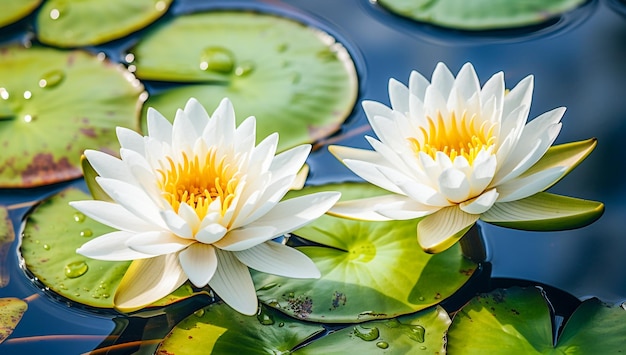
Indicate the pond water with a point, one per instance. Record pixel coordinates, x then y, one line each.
578 62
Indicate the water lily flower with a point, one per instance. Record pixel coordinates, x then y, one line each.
198 200
453 152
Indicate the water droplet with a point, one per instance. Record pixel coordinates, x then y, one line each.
273 303
87 233
218 59
422 347
416 332
160 5
265 318
393 323
382 344
28 118
291 295
4 94
62 287
101 56
421 298
199 313
281 324
282 47
46 247
129 58
268 286
76 269
51 79
105 295
28 95
367 334
244 69
54 14
95 296
79 217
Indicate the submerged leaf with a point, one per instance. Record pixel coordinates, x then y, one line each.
7 236
11 312
44 90
302 86
72 23
218 329
481 14
370 270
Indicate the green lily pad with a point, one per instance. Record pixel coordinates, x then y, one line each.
518 321
15 10
11 312
218 329
302 85
65 23
370 270
480 14
44 90
418 333
7 236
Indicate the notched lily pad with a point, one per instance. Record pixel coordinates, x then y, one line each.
370 270
11 312
218 329
418 333
302 85
7 236
65 23
479 15
73 94
15 10
518 320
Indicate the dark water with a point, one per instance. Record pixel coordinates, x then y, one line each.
578 62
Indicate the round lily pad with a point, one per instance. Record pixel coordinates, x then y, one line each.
370 270
15 10
11 312
419 333
481 14
53 232
295 79
7 236
218 329
65 23
53 105
519 321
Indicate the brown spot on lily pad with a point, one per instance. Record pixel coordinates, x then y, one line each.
43 169
11 312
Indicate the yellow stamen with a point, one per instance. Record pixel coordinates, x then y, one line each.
455 137
198 182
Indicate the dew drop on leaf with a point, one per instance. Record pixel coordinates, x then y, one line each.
367 334
217 59
76 269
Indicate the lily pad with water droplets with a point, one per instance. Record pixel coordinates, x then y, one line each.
519 321
218 329
370 270
481 14
55 104
303 84
15 10
7 236
419 333
65 23
11 312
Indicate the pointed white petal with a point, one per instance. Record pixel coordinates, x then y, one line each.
265 203
245 135
289 162
177 224
184 133
263 154
481 203
366 209
190 216
130 139
494 89
440 230
147 281
199 263
403 210
453 185
246 237
275 258
196 114
399 96
418 85
157 243
466 82
485 166
158 126
211 233
233 283
520 95
108 166
442 80
371 173
111 247
113 215
225 124
525 186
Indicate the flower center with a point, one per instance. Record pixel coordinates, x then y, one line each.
457 137
198 182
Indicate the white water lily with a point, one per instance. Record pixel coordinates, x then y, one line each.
198 200
452 152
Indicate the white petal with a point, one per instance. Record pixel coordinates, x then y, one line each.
289 162
190 216
378 208
454 185
481 203
158 126
224 115
211 233
130 139
199 263
525 186
111 247
399 96
147 281
263 204
108 166
418 85
440 230
157 243
184 133
177 224
275 258
373 109
113 215
403 210
233 283
485 166
520 95
371 173
494 90
467 82
263 154
196 114
442 80
245 135
246 237
294 213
